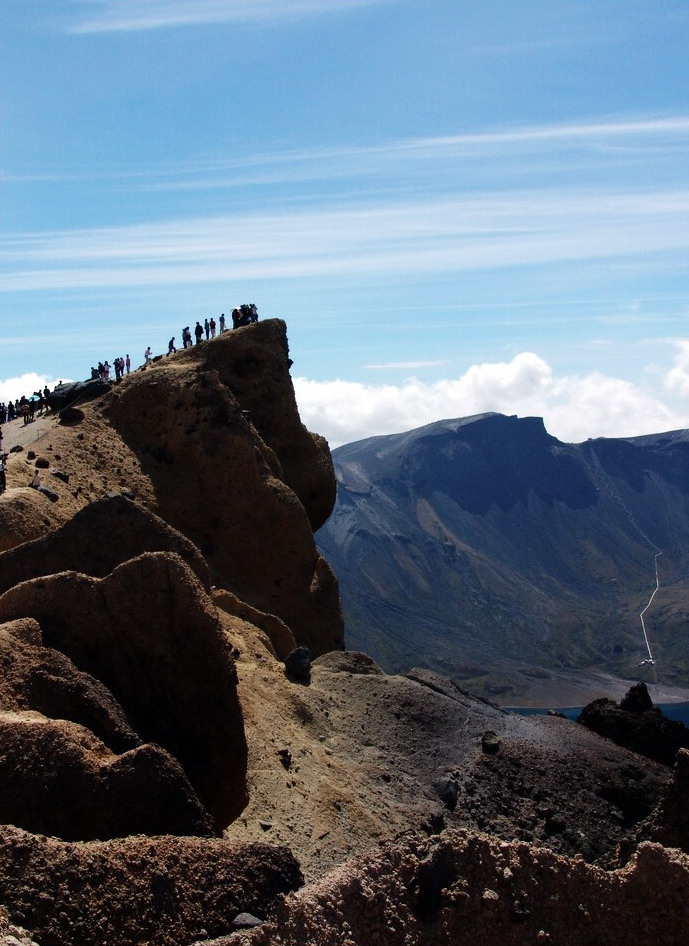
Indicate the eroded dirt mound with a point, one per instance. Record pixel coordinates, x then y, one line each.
464 888
161 891
151 635
99 537
25 514
58 779
34 677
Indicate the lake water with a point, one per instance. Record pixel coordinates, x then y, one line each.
678 711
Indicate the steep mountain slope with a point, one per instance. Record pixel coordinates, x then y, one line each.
486 549
150 597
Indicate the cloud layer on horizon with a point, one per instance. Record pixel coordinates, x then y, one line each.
574 407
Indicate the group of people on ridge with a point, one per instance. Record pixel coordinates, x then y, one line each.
242 315
104 368
25 407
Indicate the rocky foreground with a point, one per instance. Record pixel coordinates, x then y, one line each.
170 775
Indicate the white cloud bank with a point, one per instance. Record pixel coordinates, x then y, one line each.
13 388
677 379
574 407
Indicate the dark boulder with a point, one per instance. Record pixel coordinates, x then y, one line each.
76 392
298 664
642 730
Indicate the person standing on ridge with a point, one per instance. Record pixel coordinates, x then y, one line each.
198 332
221 320
171 346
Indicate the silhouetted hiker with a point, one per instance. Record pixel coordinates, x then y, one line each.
128 363
147 355
186 337
198 332
221 320
212 327
3 475
207 329
171 346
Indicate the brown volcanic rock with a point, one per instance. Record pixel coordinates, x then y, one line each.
280 639
215 480
465 888
11 934
156 891
669 823
254 363
25 514
149 632
99 537
58 779
33 677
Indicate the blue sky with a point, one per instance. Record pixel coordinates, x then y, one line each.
456 205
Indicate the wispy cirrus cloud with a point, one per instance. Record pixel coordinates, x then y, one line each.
405 365
108 16
469 232
391 159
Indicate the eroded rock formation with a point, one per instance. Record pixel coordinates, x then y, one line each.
99 537
160 891
150 633
637 725
463 888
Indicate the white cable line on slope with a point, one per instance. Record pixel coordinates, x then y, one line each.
615 495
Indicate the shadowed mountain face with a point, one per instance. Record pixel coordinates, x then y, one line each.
486 549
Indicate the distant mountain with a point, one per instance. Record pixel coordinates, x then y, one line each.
486 549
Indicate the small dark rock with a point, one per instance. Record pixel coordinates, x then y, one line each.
71 416
60 475
285 757
298 664
555 823
17 448
53 497
490 742
447 791
435 824
246 921
30 455
41 463
265 825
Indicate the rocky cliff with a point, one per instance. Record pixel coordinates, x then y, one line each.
150 595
